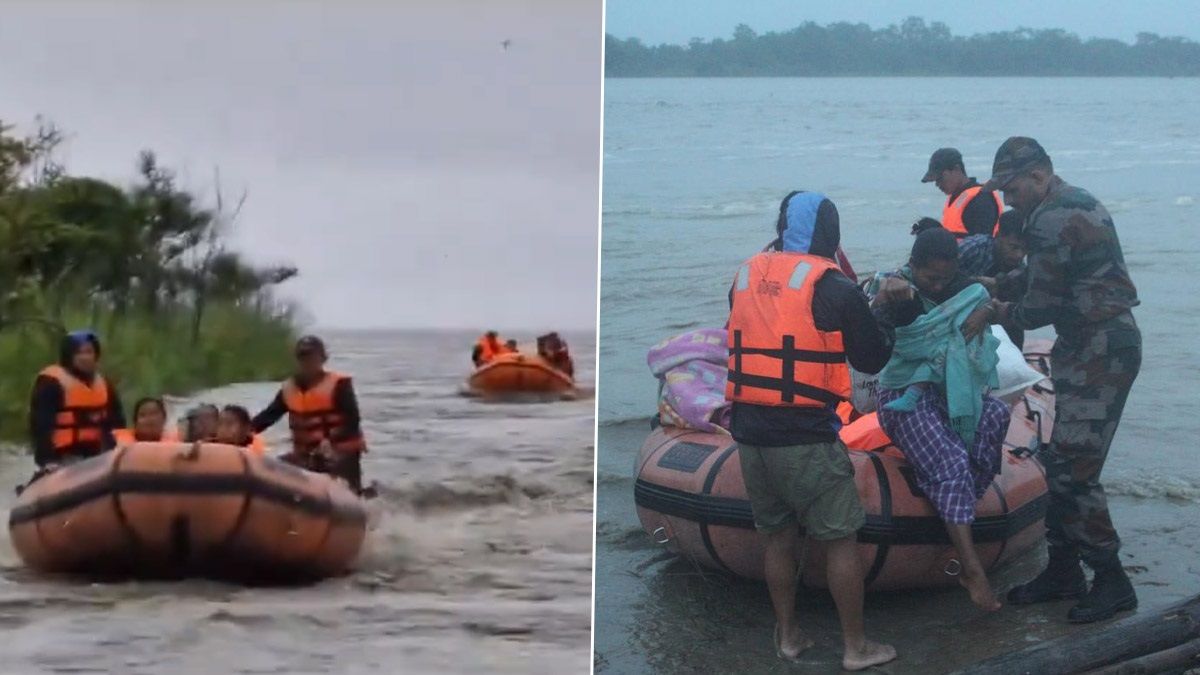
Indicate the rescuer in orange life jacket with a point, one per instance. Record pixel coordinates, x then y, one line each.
969 209
73 409
323 415
793 312
487 348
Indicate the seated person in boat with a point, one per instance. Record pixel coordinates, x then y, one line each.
487 348
234 428
554 349
794 304
200 424
510 347
323 415
149 424
931 396
73 409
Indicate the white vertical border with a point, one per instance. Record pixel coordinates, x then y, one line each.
596 385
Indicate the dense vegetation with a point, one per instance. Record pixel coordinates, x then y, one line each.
912 48
146 266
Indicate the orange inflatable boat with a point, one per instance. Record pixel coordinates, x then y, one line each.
162 510
690 497
519 374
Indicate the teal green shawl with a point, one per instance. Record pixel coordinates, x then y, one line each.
932 349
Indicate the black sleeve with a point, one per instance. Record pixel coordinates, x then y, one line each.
347 405
476 353
270 415
116 418
45 401
981 214
838 304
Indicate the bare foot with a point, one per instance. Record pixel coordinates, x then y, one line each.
871 654
795 644
981 591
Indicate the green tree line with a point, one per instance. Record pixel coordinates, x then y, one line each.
146 265
912 48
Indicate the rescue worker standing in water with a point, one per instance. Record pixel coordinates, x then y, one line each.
792 311
969 209
322 412
73 409
1077 281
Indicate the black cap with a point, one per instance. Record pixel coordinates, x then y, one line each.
310 344
942 159
1016 155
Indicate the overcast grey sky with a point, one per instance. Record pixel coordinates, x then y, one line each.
418 174
677 21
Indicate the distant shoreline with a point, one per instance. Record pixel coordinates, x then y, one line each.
913 48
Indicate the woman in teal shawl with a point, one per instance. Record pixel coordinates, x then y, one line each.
952 433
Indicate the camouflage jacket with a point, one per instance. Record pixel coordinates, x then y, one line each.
1076 275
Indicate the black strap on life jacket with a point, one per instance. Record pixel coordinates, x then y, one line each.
788 388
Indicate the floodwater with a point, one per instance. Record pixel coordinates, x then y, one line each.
693 175
480 559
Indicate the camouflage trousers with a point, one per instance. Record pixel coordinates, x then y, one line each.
1092 375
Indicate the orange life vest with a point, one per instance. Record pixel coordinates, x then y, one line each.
952 213
489 349
777 356
865 434
127 436
79 424
313 416
257 445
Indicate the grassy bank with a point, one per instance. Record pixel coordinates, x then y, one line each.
151 355
146 265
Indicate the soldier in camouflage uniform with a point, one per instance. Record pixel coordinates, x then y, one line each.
1078 281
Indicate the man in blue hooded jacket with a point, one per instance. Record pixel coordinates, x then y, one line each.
787 374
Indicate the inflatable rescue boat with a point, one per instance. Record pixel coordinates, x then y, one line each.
509 374
690 498
168 510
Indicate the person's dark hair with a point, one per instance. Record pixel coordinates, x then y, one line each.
242 415
311 343
925 224
931 245
1011 223
203 408
148 400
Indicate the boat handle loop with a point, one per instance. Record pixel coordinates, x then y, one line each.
660 536
953 567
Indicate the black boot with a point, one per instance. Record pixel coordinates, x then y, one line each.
1111 592
1062 579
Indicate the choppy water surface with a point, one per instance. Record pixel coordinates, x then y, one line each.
694 171
481 559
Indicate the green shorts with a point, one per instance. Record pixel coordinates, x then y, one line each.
808 484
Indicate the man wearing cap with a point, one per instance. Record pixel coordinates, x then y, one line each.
322 412
970 208
1077 280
